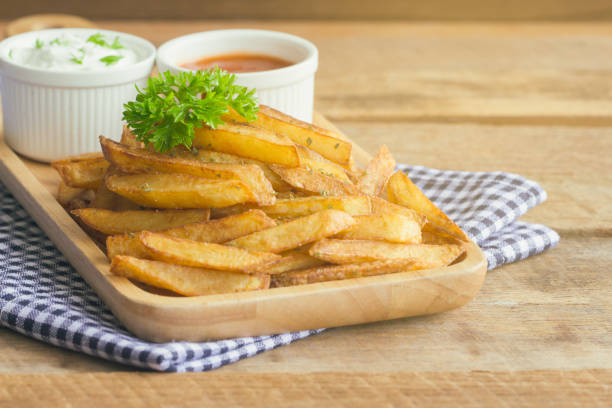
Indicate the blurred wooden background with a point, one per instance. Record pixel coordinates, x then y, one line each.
451 10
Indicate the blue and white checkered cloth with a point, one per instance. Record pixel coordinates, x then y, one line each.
43 297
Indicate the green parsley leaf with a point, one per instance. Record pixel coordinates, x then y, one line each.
111 59
39 43
57 41
116 45
98 39
168 110
10 54
77 60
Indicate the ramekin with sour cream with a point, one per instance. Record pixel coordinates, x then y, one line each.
62 88
289 89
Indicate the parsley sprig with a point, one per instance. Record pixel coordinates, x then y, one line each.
168 110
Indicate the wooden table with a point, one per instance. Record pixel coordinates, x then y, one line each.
534 99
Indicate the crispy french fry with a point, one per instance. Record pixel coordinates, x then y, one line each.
322 141
314 182
377 173
292 260
123 222
186 280
339 272
107 200
178 190
295 233
384 227
134 160
83 171
438 237
129 139
380 206
401 190
311 160
216 231
65 193
301 206
248 141
210 156
353 251
203 254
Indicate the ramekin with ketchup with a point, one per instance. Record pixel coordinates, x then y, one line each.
280 66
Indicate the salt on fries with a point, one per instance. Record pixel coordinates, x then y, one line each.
288 207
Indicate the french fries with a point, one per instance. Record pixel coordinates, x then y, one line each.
296 233
314 182
134 160
289 208
302 206
377 173
293 260
178 190
384 227
380 206
401 190
123 222
83 171
322 141
215 231
339 272
248 141
203 254
186 280
356 251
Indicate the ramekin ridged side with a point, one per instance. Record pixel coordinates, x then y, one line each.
47 123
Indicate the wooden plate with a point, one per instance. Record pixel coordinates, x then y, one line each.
160 318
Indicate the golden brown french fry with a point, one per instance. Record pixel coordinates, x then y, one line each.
65 193
248 141
107 200
377 172
178 190
313 161
323 141
134 160
292 260
216 231
129 139
83 171
186 280
401 190
339 272
384 227
295 233
301 206
354 251
210 156
203 254
438 238
314 182
123 222
380 206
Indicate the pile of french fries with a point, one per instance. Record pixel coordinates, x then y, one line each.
276 202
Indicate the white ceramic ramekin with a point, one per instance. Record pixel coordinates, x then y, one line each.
50 114
289 89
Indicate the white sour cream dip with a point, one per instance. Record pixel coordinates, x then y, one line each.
74 52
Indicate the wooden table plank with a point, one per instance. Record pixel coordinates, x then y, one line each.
442 389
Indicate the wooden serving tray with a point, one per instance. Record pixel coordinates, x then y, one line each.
160 318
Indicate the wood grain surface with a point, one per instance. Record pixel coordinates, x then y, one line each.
470 10
533 99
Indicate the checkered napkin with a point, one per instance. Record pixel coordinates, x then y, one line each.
43 297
